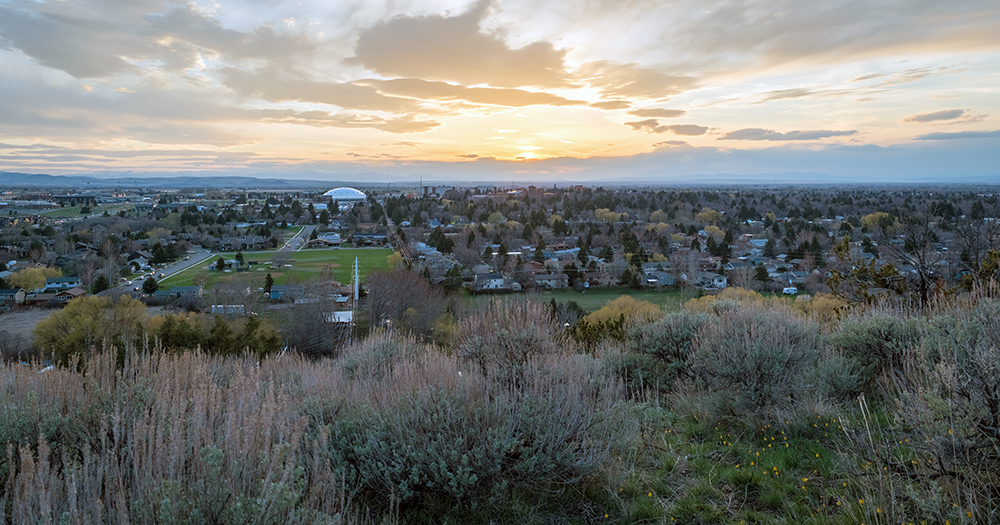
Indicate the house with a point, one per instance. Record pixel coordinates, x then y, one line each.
706 280
66 295
288 292
600 279
67 261
552 280
58 284
327 239
12 295
657 278
494 282
185 291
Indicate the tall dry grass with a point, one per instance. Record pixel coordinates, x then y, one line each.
392 426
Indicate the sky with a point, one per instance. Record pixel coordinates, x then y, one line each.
588 90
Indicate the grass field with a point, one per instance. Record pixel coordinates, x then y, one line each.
595 298
74 211
305 265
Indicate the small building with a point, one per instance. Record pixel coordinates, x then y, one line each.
12 295
552 280
288 292
66 295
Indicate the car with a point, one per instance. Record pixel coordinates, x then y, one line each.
137 288
188 258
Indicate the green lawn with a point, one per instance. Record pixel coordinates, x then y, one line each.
595 298
305 265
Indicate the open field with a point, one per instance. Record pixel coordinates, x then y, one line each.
305 265
595 298
74 211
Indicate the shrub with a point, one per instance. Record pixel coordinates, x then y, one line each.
447 449
505 337
877 343
753 359
658 353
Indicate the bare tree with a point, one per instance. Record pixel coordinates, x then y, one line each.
917 251
87 270
405 299
280 258
744 278
312 330
242 290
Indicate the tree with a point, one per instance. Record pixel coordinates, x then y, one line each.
33 278
630 279
220 264
406 300
242 290
150 286
268 283
100 284
760 274
919 234
87 323
239 257
858 280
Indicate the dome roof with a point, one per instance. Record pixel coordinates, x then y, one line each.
345 194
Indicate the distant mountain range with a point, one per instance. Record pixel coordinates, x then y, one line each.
317 180
130 180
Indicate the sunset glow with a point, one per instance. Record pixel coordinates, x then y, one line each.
475 89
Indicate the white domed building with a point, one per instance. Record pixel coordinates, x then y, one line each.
346 195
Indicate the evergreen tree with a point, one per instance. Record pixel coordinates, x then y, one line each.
150 286
100 284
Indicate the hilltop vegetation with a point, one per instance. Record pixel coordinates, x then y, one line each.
737 408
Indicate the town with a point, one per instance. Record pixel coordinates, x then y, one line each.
238 253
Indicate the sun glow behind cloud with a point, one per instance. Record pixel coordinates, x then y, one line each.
362 85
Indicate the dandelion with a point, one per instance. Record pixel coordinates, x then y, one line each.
651 494
861 501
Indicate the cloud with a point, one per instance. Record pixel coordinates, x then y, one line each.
430 90
770 134
612 104
666 143
653 126
323 119
657 112
961 135
468 156
271 86
454 49
631 80
102 39
947 114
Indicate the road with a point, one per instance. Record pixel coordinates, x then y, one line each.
300 239
200 255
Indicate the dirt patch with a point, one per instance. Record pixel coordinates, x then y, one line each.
22 321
